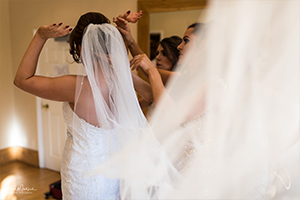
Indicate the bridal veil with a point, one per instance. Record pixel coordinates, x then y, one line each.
244 66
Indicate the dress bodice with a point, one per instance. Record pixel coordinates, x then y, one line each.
86 147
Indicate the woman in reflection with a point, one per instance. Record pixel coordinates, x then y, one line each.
164 63
167 53
166 58
157 75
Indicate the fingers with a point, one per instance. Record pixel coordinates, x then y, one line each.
123 32
134 60
125 14
122 25
128 17
137 61
54 30
134 17
57 30
66 28
133 63
116 19
122 20
140 14
55 25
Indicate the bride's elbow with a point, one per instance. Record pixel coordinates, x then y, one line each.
18 82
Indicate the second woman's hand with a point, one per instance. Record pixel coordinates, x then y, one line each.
142 61
124 29
131 16
53 31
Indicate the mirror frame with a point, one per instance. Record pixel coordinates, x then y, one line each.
154 6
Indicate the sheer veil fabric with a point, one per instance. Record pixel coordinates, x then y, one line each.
105 98
230 116
107 70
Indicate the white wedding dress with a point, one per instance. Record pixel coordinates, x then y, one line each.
86 147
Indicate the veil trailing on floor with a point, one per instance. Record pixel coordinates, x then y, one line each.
229 118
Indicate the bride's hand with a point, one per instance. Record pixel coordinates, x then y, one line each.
124 29
131 16
53 31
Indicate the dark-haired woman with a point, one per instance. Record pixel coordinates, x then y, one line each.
166 58
167 53
158 77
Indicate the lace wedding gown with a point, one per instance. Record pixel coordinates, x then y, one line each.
194 162
85 149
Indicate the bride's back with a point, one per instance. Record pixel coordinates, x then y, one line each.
85 107
105 97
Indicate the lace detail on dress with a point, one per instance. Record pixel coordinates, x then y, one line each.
196 140
86 147
198 144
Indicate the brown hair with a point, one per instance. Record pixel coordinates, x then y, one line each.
170 44
78 31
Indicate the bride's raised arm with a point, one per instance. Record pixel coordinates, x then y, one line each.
60 88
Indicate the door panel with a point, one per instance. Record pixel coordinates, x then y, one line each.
54 61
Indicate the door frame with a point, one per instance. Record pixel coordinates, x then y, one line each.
41 146
40 136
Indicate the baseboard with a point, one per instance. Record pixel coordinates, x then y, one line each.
8 155
11 154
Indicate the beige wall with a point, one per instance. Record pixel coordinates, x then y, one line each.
6 77
18 20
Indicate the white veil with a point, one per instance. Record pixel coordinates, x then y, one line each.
107 74
243 69
252 118
105 58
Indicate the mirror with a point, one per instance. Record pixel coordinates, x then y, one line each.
167 24
159 6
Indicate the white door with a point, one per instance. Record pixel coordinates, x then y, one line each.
55 60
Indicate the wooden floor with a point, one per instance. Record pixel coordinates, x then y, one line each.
24 182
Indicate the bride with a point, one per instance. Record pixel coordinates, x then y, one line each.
100 108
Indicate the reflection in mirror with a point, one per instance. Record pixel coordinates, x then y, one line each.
167 24
176 22
158 6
